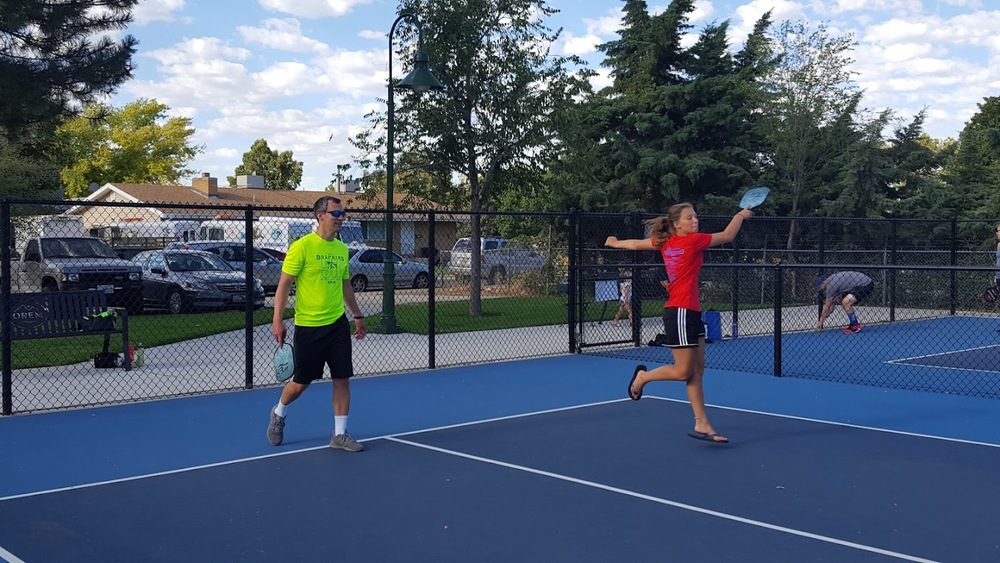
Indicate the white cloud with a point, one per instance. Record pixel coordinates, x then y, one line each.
580 45
373 35
282 35
746 16
312 8
843 6
156 10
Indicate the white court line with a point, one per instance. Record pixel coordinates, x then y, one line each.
908 362
834 423
948 353
667 502
10 557
298 451
475 423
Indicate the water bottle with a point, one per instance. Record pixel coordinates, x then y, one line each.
139 354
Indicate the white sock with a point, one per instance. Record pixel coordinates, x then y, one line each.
339 425
280 409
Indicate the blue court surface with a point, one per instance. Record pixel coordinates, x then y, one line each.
535 460
955 355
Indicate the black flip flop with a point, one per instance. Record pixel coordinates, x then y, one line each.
708 437
635 374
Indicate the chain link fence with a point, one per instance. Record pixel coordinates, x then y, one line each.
927 325
196 282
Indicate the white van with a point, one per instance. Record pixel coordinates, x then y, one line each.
277 233
169 230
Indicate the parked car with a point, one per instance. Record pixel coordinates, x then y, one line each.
500 259
186 280
274 253
265 266
367 262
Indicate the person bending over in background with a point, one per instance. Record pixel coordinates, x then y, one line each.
848 289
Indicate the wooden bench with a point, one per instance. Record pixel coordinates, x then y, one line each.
60 313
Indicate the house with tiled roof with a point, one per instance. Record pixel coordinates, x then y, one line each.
115 204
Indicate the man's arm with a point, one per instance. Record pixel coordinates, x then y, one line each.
280 299
827 305
360 328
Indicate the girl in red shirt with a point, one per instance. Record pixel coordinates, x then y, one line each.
677 239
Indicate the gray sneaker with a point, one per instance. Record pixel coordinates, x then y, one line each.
276 428
345 442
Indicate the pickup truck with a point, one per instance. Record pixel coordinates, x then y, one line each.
499 258
77 263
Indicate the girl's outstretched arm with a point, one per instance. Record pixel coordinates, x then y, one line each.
630 244
732 229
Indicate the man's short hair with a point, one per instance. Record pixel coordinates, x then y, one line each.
320 205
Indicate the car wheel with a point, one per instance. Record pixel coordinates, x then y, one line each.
421 281
175 302
498 275
359 283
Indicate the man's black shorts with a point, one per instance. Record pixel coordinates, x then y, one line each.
316 346
862 291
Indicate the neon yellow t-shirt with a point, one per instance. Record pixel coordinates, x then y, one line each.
320 269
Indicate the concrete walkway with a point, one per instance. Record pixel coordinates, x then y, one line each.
216 363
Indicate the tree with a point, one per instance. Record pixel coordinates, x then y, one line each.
811 119
280 169
677 124
137 143
49 59
24 174
492 125
973 172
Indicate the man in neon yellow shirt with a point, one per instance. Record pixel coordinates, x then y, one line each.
317 264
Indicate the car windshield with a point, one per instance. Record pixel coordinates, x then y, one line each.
462 245
190 262
76 248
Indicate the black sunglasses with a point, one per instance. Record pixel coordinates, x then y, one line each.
336 213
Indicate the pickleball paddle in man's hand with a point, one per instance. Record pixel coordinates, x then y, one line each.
284 362
754 197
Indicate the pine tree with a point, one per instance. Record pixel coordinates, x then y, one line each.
50 61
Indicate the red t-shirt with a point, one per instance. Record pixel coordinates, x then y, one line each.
683 257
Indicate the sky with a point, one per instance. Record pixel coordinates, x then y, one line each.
303 73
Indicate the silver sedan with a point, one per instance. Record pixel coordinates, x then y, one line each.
367 263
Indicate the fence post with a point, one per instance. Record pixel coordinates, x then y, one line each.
779 278
8 239
735 285
571 281
248 297
893 256
638 232
431 289
954 263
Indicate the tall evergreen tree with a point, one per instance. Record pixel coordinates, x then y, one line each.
53 56
681 122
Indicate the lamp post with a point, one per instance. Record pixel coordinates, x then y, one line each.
420 80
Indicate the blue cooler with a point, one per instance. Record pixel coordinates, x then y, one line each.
713 325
